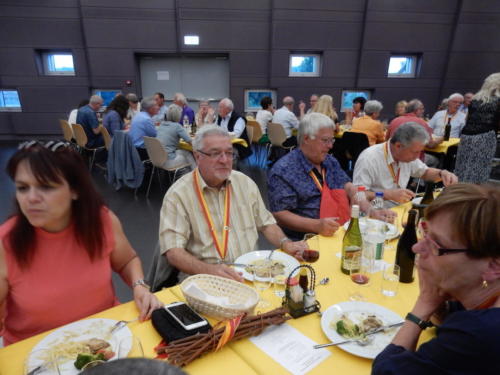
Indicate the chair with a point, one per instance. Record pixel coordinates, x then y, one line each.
348 148
67 130
250 133
158 156
106 137
277 135
257 131
81 141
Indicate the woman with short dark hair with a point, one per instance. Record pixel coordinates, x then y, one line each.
59 248
458 265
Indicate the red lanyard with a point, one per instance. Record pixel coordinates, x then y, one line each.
221 248
315 179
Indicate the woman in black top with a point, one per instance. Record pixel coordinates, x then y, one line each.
478 140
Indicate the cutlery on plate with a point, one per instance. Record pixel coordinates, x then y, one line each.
120 324
270 254
362 342
234 264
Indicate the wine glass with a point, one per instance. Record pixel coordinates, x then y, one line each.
311 254
262 279
130 346
359 273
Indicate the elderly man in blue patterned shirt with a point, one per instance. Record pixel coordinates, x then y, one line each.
294 196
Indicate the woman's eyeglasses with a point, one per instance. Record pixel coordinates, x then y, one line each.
50 145
437 249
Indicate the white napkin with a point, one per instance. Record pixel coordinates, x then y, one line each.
223 301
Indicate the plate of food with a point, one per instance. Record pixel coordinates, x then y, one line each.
281 264
353 320
391 231
78 343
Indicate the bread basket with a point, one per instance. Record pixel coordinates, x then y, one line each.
216 286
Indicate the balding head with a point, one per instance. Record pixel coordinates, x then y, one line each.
288 102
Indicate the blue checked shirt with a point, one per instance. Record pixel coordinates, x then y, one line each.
291 188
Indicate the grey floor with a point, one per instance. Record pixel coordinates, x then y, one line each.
138 215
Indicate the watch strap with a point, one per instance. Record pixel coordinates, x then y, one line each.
283 240
423 324
140 282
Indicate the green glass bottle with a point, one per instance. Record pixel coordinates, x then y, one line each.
352 243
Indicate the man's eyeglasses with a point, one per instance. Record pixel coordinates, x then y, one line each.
437 249
218 154
51 145
327 141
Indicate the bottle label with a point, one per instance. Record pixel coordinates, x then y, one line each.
350 260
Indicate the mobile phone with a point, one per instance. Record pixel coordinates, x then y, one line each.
185 316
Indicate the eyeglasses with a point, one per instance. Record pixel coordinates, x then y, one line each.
327 141
50 145
436 248
217 154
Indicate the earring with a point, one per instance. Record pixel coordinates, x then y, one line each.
484 285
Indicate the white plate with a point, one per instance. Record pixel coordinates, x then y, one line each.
289 261
81 331
357 311
392 233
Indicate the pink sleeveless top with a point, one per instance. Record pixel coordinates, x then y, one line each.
60 286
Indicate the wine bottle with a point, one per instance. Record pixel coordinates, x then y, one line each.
405 257
352 243
447 130
429 193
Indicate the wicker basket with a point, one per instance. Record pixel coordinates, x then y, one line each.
238 293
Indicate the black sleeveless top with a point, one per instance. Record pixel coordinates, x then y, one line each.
482 117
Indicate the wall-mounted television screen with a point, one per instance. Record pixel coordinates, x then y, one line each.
107 95
349 95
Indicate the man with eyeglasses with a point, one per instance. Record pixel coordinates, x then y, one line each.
212 215
301 183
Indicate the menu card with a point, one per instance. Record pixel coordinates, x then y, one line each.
290 348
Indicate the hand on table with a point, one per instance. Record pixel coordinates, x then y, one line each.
328 226
295 249
224 271
384 215
146 302
448 178
399 195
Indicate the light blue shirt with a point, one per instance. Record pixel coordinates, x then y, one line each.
169 134
160 116
142 125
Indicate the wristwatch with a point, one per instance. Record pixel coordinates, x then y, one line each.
423 324
140 282
282 241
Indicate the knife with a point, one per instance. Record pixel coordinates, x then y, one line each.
380 329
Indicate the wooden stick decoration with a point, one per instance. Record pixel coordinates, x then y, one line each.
183 351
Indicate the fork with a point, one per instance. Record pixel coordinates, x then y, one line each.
120 324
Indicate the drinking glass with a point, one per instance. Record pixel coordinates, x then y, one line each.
390 280
130 346
262 279
279 285
360 274
311 255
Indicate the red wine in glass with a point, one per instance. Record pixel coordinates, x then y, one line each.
360 278
310 256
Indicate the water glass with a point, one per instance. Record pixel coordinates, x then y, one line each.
130 346
279 285
390 280
262 279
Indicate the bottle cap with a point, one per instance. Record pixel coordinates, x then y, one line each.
293 281
379 194
361 188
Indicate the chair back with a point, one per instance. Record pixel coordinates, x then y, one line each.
106 137
66 129
80 136
250 133
276 134
157 154
257 131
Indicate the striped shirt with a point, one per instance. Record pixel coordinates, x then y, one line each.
183 225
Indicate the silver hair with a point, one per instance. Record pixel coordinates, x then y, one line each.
287 100
180 97
135 366
312 123
95 99
410 132
228 103
174 113
490 89
456 95
147 103
206 131
373 106
131 97
413 105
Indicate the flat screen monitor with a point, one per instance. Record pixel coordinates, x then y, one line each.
107 95
349 95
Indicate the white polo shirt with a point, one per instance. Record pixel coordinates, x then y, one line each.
373 171
287 119
440 118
